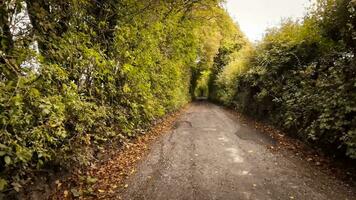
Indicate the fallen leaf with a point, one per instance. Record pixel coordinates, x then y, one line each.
75 192
65 193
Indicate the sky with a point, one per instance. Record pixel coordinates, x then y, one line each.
254 16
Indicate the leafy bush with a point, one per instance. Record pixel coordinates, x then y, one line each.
301 77
78 74
237 64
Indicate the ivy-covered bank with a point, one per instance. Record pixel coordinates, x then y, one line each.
300 77
76 75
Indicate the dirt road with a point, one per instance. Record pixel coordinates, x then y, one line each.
211 155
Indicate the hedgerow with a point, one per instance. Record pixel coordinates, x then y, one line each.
76 75
300 77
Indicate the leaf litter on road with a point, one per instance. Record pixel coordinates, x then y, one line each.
103 180
340 169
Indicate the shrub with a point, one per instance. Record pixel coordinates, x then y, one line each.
301 77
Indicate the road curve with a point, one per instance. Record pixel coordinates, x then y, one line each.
211 155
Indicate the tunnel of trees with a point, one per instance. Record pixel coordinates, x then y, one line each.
76 75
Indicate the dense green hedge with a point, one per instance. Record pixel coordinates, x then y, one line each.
301 77
79 74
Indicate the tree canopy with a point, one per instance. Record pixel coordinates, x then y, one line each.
76 75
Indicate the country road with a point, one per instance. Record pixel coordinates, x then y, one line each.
211 155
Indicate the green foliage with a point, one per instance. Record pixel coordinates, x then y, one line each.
102 71
228 67
202 89
223 38
301 77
